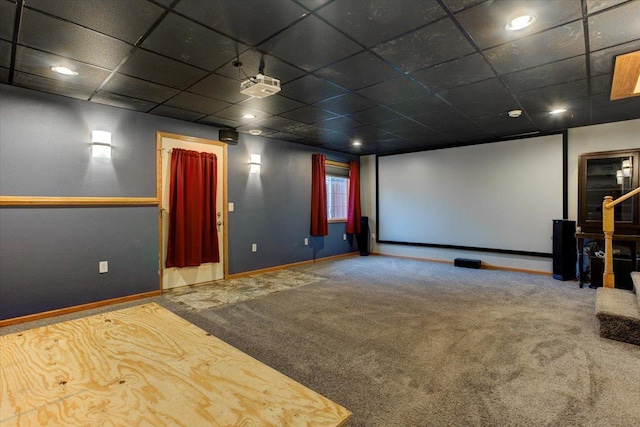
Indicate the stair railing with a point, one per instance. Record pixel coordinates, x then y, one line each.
608 279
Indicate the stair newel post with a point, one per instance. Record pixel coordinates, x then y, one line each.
608 279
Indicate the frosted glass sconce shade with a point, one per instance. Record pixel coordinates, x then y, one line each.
626 168
255 161
101 144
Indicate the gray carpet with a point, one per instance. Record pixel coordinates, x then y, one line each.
410 343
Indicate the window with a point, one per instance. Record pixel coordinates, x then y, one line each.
337 178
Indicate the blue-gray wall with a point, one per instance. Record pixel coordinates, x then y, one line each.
49 255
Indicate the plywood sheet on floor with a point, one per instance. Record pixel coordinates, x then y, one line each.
146 366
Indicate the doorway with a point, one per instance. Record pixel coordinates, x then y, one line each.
174 277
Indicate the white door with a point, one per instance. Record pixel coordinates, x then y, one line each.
174 277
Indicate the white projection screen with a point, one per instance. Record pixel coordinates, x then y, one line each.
499 196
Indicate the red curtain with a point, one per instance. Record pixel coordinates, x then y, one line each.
353 213
193 236
319 224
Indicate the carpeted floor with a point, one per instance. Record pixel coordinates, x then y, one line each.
409 343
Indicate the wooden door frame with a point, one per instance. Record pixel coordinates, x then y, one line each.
225 213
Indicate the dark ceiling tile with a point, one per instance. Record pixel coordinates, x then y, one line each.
345 104
458 5
313 4
120 101
603 99
573 118
335 138
281 124
236 113
393 90
601 84
445 115
547 75
474 92
375 114
40 63
431 45
398 125
358 71
126 20
186 41
497 104
423 104
602 61
543 48
219 122
275 104
546 99
308 114
374 21
284 136
249 21
310 131
455 126
4 75
502 125
339 124
460 72
618 111
310 89
165 3
598 5
158 69
251 126
176 113
612 26
250 59
70 40
310 44
371 134
141 89
414 132
57 87
197 103
219 87
486 22
7 18
5 54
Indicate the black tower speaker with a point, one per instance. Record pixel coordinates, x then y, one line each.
229 136
564 249
363 236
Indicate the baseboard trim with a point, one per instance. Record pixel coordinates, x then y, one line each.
295 264
76 308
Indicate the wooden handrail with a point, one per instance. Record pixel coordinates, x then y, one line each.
608 225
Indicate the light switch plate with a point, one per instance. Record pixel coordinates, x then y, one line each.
254 247
231 207
103 267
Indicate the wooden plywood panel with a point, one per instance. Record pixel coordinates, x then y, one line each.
146 366
626 76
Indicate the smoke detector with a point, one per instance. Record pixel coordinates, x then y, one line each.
260 86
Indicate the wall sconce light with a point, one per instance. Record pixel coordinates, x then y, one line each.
101 144
619 177
626 168
254 163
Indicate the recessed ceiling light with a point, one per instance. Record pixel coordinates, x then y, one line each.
515 113
558 111
255 131
64 70
520 22
356 143
248 116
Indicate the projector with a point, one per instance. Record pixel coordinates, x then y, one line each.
260 86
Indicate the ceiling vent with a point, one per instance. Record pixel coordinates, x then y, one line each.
260 86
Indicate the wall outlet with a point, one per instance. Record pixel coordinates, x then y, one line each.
254 247
231 207
103 267
306 241
344 237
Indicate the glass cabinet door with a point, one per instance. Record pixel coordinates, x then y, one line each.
612 176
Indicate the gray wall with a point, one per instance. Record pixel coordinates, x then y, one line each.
49 256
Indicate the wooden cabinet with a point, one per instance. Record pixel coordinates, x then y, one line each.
609 173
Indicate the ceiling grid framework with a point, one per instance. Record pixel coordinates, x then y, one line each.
397 75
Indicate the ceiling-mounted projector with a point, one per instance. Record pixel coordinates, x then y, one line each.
260 86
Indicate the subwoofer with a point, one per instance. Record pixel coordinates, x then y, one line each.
229 136
564 249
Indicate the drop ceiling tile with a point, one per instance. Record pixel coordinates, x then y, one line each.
431 45
460 72
602 61
219 87
495 104
308 114
158 69
573 118
115 100
339 124
57 87
543 48
7 18
71 40
187 41
246 128
375 21
337 138
486 22
197 103
40 63
250 59
281 124
374 115
358 71
458 5
445 115
601 84
415 106
313 4
474 92
598 5
4 75
616 111
284 136
310 131
310 89
508 127
615 26
249 21
235 112
219 122
310 44
393 90
275 104
370 133
455 126
165 3
125 20
345 104
415 132
177 113
5 54
563 71
546 99
398 125
141 89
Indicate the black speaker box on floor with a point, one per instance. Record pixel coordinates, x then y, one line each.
229 136
564 249
363 236
467 263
